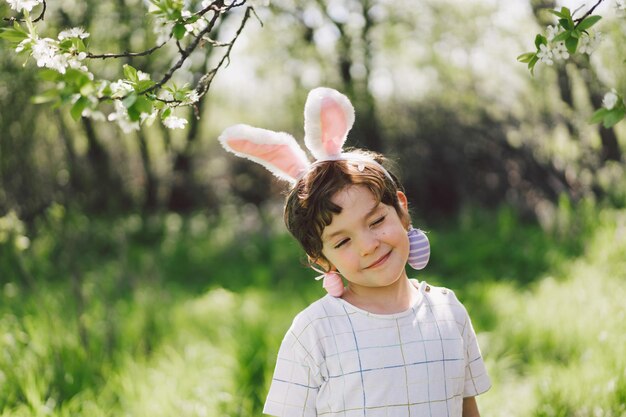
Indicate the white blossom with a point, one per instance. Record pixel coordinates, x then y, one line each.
26 5
173 122
93 115
589 43
74 60
197 26
120 88
551 32
73 33
559 51
166 95
545 54
142 76
620 4
26 42
163 29
46 53
148 118
610 99
122 119
192 97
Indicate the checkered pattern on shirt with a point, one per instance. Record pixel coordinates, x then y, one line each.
337 360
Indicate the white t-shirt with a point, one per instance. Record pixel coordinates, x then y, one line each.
339 360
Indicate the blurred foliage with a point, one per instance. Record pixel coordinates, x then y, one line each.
149 273
184 314
466 124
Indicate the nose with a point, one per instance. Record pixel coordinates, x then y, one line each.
368 243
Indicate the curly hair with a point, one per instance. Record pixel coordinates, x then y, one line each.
309 208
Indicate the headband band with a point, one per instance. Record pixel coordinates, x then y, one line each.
358 159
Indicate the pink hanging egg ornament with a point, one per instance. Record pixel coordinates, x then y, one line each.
333 284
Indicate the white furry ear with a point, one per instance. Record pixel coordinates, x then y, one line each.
277 151
328 117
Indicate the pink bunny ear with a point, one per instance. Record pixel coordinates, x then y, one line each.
276 151
328 117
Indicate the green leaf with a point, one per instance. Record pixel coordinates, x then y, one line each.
66 43
531 65
77 109
613 117
12 35
557 13
561 36
76 77
179 31
166 113
540 40
566 13
143 85
130 73
194 18
571 44
598 115
526 57
47 74
19 28
566 24
133 114
129 100
80 45
87 89
46 97
588 22
143 105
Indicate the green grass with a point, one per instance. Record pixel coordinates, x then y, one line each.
184 316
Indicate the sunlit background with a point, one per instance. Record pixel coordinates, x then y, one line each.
150 274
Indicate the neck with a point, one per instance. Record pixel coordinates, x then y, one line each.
394 298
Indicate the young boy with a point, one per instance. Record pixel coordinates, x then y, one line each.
385 345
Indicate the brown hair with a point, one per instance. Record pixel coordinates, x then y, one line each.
309 209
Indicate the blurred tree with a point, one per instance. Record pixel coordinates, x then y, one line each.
351 24
446 95
92 165
596 89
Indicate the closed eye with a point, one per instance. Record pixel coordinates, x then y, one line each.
378 221
341 243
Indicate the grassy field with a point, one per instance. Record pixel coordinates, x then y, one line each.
184 316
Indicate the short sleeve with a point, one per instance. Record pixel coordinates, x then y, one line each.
296 380
476 378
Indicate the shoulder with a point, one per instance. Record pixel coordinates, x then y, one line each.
434 293
310 328
313 322
316 313
443 299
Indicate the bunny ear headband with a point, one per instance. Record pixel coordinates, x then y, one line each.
328 117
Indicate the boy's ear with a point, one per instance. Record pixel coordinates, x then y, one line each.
404 202
321 262
404 205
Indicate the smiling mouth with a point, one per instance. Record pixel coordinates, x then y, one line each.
380 261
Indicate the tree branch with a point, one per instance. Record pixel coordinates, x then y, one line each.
184 54
205 82
128 54
579 21
40 17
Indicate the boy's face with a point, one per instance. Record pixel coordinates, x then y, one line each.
367 242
